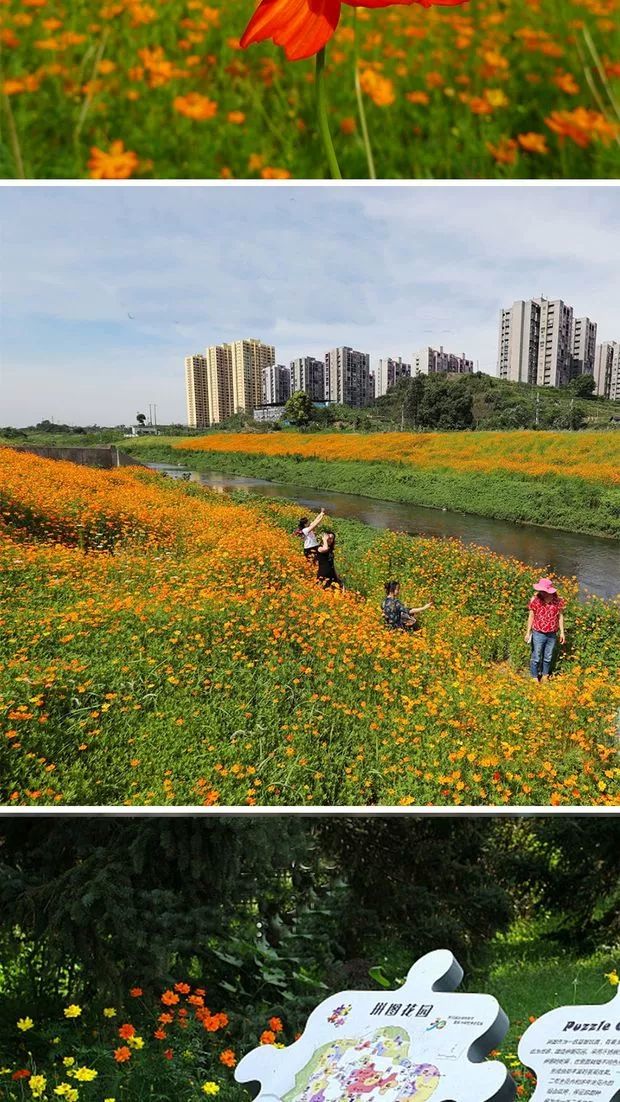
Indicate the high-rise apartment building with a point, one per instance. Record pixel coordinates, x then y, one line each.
607 370
583 346
197 392
431 361
540 342
249 360
389 372
276 385
219 377
348 379
308 374
519 337
555 343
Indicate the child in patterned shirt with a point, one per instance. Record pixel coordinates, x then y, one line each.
395 613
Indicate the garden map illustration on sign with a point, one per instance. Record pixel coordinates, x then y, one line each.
575 1053
419 1043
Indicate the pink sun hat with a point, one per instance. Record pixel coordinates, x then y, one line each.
545 585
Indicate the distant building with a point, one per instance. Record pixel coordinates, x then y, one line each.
583 346
308 374
607 370
197 392
555 343
276 384
268 414
348 379
219 378
249 359
519 336
388 373
143 430
433 361
542 343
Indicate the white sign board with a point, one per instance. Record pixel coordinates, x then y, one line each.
419 1043
575 1053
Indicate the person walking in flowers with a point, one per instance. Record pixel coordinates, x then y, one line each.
545 623
395 613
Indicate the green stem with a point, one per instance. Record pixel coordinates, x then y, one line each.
321 108
360 104
14 139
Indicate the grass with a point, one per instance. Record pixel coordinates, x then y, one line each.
572 503
163 645
482 90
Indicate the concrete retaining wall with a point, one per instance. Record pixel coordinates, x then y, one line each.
104 457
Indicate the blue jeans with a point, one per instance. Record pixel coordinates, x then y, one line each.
543 646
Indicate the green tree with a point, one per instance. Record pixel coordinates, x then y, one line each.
298 409
583 386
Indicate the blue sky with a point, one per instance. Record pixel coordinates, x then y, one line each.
384 269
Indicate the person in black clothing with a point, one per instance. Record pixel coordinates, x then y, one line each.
326 573
395 613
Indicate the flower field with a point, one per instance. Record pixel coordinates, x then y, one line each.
178 1046
114 89
165 645
591 456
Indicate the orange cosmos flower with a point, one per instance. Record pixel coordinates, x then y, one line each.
195 106
302 27
532 142
118 164
169 998
582 126
121 1055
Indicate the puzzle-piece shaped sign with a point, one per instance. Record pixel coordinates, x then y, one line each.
421 1043
575 1053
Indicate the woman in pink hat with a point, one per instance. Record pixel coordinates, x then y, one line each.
544 623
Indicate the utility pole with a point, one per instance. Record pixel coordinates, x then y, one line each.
155 415
537 407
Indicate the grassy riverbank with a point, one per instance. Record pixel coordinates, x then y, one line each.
556 500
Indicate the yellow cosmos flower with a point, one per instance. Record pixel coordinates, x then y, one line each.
24 1024
136 1042
37 1084
613 978
85 1075
72 1011
210 1088
109 1012
65 1090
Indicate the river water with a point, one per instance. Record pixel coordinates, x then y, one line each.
593 560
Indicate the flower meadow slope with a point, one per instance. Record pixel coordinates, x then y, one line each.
162 644
128 88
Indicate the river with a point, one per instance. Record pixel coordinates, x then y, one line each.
593 560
